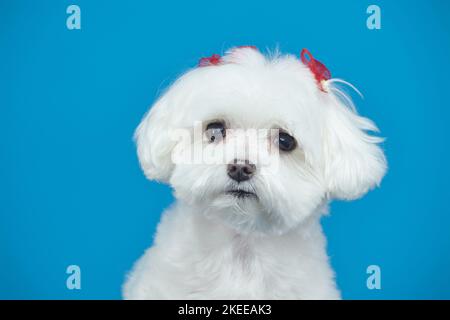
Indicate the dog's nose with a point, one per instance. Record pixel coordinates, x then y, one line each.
241 171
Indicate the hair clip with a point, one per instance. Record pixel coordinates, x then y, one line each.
320 72
213 60
216 59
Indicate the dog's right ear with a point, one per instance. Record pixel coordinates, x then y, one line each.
154 146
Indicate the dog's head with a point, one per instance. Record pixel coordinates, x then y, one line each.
256 142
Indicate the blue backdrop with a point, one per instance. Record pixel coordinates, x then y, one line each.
71 190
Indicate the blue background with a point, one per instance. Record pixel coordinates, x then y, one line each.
71 190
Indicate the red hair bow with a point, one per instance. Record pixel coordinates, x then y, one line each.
213 60
216 59
320 72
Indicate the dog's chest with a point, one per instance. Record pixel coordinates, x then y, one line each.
239 269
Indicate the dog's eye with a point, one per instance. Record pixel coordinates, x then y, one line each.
215 131
286 142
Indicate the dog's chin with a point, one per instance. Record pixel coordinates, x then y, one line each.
244 212
245 202
239 194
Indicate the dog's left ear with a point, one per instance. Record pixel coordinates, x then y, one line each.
154 146
354 163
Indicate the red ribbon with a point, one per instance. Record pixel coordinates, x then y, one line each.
320 72
213 60
216 59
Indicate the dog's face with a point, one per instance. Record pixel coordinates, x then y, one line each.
255 143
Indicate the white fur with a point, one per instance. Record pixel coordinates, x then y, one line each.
211 245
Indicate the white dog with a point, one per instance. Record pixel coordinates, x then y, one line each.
248 227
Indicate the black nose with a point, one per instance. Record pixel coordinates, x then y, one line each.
241 171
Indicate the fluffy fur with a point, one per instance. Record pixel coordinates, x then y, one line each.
213 245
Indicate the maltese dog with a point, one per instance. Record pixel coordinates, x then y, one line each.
254 146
